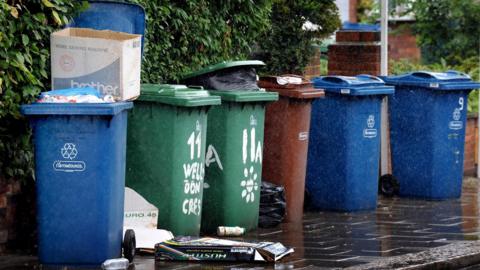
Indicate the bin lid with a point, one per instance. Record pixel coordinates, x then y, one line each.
223 65
246 96
360 85
115 16
176 94
361 27
291 86
75 108
450 80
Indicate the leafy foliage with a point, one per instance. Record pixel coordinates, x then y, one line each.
183 36
368 11
287 46
447 29
24 68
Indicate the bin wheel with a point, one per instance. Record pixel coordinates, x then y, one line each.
129 245
388 185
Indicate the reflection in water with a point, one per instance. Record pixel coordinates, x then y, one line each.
470 208
332 239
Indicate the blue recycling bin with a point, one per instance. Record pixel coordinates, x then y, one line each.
114 16
427 132
80 178
343 154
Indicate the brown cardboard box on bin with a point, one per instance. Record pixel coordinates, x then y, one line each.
106 60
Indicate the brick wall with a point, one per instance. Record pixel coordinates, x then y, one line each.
313 68
354 53
17 217
402 43
352 11
471 139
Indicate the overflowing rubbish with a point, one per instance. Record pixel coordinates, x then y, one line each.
115 264
272 205
227 76
75 95
289 79
230 231
214 249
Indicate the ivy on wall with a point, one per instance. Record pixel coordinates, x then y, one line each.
25 28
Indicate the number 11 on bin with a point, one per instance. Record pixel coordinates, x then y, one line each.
194 172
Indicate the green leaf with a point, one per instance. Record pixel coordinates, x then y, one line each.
48 4
25 40
57 19
20 58
14 12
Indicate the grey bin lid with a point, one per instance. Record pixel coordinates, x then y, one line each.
449 80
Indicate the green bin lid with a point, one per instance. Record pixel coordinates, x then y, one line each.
223 65
246 96
178 95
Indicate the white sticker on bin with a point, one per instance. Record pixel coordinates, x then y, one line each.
69 152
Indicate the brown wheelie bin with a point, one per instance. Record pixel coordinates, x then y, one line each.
287 124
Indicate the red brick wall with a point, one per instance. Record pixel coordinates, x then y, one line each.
471 139
313 69
17 217
354 53
402 44
353 11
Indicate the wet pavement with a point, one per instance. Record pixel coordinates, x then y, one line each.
338 240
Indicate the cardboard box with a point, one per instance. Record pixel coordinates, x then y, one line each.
106 60
138 212
214 249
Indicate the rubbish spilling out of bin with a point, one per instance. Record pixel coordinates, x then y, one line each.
227 76
272 205
75 95
214 249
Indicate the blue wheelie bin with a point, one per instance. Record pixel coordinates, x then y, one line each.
427 132
343 154
80 178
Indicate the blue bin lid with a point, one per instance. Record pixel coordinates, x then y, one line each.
75 108
450 80
363 27
360 85
115 16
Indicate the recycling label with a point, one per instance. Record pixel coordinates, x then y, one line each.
69 163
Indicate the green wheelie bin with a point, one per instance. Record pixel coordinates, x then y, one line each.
234 145
166 139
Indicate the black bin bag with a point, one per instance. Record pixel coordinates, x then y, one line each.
272 205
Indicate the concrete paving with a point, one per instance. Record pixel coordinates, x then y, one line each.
402 233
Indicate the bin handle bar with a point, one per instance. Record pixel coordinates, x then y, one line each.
433 75
368 76
199 87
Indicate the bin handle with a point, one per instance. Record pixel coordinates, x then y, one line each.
199 87
368 76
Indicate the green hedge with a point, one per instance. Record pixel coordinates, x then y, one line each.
24 72
181 36
287 46
185 35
